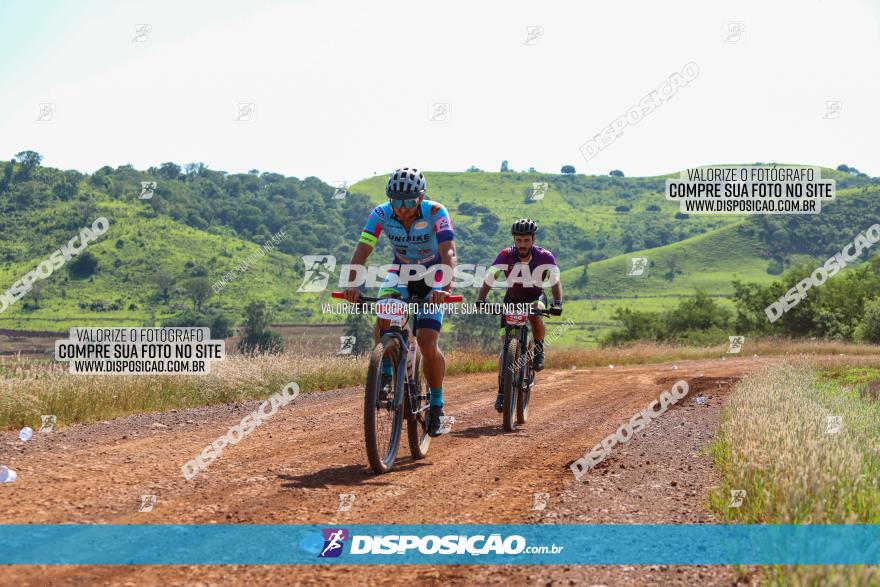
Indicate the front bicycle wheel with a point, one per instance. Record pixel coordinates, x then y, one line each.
382 421
416 415
525 389
509 385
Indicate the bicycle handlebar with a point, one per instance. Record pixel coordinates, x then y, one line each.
533 311
340 295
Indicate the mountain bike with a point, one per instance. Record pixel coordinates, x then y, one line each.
386 407
516 376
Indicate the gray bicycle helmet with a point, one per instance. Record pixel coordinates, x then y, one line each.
405 184
524 226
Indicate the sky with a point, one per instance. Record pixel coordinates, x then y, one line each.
346 90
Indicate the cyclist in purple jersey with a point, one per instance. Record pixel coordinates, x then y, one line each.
528 267
539 262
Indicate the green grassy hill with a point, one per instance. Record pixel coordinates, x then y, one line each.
708 261
581 217
204 223
134 248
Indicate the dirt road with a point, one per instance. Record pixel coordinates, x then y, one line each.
294 467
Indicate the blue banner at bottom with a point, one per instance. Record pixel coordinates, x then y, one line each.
518 544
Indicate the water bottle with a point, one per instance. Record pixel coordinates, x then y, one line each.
25 434
7 475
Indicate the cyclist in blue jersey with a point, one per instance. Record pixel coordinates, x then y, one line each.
421 233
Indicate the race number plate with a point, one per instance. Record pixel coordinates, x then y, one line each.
391 309
516 318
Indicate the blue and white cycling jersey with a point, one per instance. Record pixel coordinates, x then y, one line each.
419 245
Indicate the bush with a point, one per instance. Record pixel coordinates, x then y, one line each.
265 342
697 320
775 267
868 329
834 310
256 336
220 325
85 265
636 326
697 313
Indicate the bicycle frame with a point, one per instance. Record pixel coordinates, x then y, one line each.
516 379
522 333
406 374
405 368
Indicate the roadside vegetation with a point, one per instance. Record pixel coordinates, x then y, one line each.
30 388
803 442
846 307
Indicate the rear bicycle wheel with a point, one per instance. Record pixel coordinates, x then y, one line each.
509 386
525 389
416 419
382 423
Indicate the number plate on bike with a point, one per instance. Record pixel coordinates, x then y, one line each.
391 309
516 318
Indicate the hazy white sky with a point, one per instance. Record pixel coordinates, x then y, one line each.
345 89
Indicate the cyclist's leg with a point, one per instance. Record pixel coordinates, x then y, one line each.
428 325
391 288
538 330
435 362
537 322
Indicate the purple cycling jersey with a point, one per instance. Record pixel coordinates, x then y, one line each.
519 291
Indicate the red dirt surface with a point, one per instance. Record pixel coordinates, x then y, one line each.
293 468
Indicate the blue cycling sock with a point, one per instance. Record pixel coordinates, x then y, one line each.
386 366
435 398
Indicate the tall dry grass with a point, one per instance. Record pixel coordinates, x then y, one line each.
29 389
775 443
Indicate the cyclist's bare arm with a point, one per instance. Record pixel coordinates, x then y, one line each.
556 288
361 252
